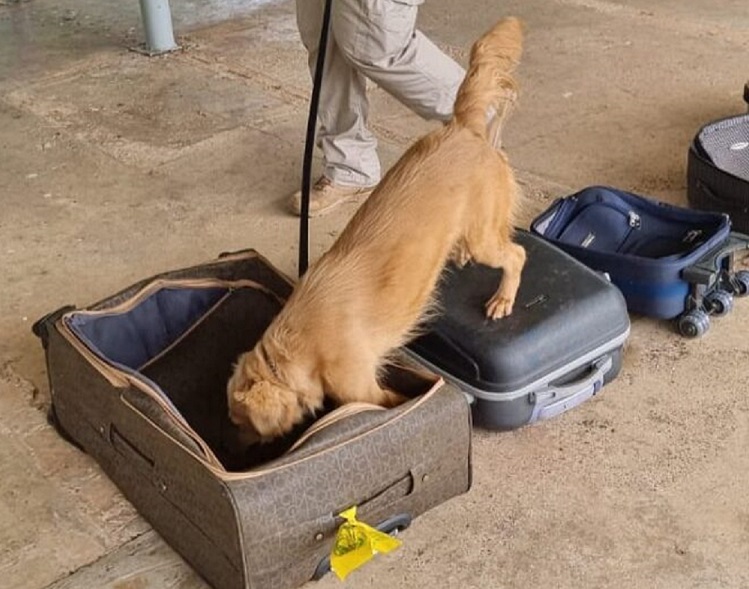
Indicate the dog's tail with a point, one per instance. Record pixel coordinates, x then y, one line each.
488 91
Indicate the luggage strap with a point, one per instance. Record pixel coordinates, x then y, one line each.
309 143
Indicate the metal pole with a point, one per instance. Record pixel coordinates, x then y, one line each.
157 23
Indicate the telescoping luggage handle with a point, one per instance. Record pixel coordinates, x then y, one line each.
557 399
711 267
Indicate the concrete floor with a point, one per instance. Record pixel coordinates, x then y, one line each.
114 166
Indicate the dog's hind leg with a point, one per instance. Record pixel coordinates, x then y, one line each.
460 255
375 394
361 385
385 397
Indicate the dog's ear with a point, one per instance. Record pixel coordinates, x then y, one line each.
270 409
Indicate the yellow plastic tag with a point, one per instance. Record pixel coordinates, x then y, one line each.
356 543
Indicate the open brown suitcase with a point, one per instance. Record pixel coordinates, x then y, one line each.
138 381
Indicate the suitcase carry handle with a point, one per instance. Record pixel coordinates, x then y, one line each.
557 399
705 271
710 193
41 326
228 254
392 526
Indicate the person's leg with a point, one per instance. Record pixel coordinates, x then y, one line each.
380 39
349 148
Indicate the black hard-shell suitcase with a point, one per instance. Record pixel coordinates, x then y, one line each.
138 380
559 347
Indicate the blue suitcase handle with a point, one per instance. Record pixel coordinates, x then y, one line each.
707 270
556 400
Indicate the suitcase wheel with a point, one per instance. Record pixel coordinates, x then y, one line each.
392 526
694 324
719 303
740 283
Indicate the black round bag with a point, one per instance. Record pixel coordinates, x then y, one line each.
718 169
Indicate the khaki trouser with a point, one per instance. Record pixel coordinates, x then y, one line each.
375 39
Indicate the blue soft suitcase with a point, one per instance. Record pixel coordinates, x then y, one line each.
668 261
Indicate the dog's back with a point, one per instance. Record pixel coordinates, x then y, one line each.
383 269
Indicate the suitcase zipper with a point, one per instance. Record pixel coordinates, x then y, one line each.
413 405
334 416
114 375
121 379
634 222
249 255
208 458
212 463
163 283
558 212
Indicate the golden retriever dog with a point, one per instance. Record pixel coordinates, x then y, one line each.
450 197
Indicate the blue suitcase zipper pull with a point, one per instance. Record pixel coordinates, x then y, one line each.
634 220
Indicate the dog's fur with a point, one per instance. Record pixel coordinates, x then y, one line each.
451 196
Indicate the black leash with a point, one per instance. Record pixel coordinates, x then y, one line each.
309 145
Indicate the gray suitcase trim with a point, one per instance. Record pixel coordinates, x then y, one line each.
547 400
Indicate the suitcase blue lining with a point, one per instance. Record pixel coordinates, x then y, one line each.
663 239
130 339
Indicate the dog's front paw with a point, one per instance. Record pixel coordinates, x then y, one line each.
498 307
